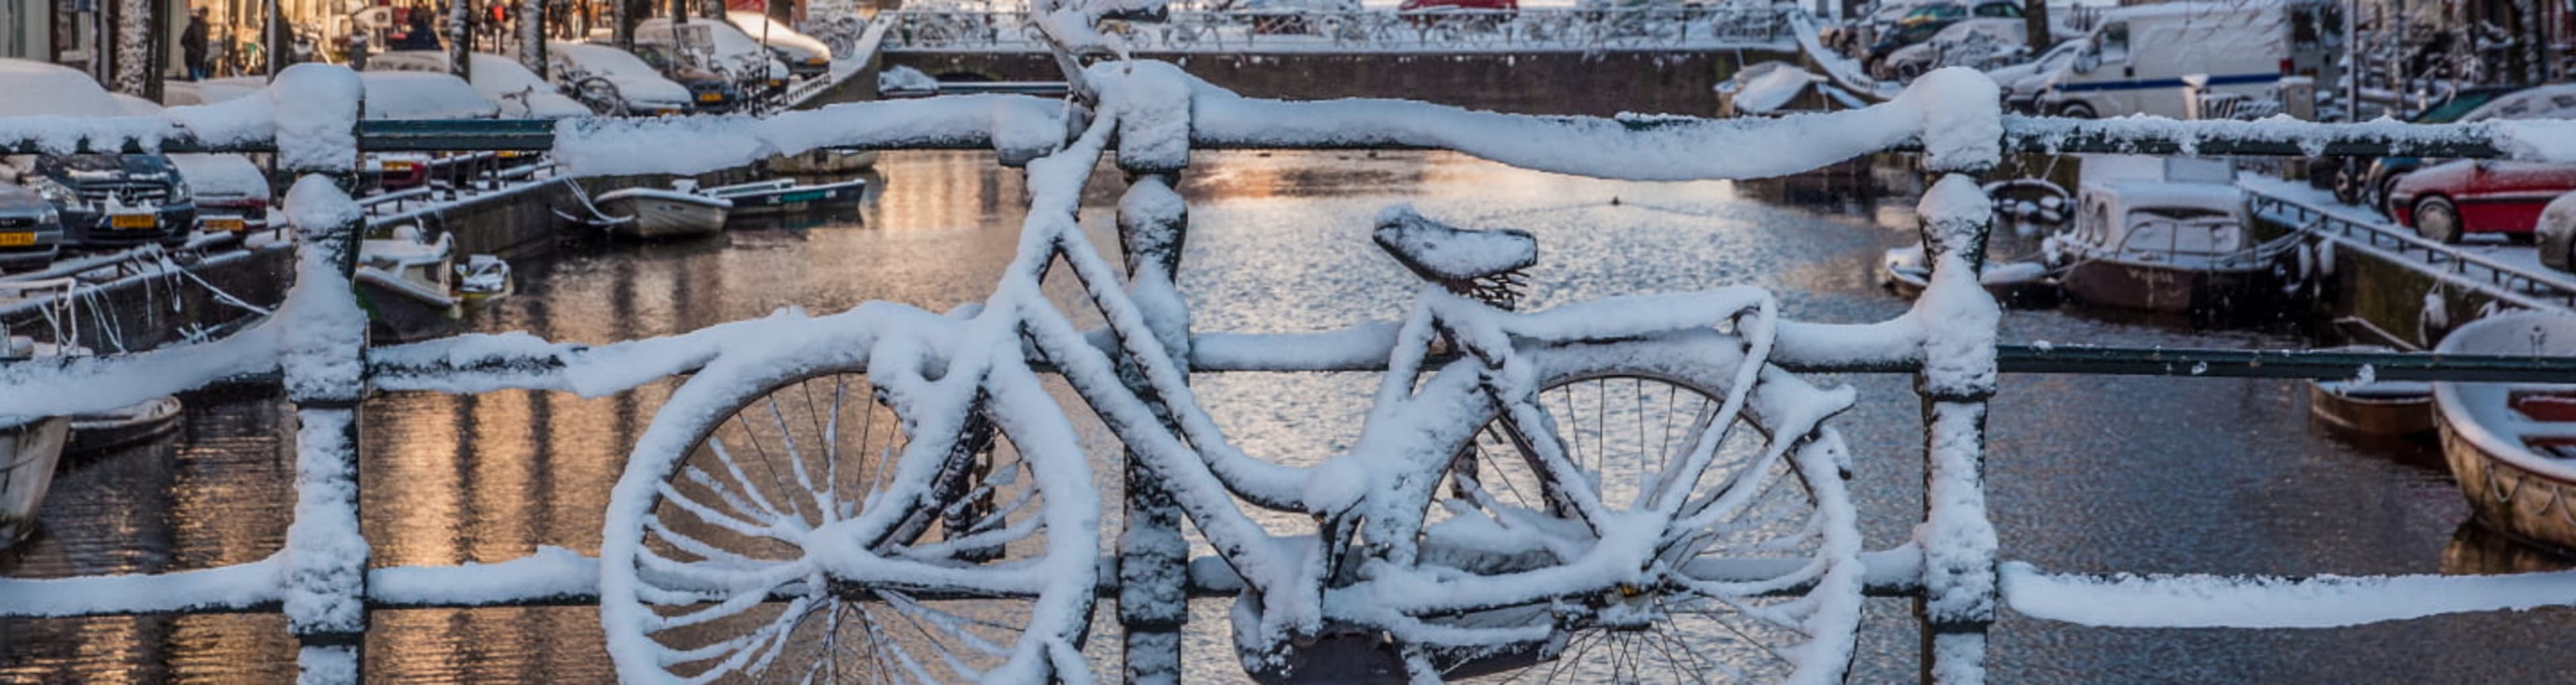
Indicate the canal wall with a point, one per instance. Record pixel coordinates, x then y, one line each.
1583 83
145 310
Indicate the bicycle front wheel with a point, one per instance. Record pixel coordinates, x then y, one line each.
727 553
1743 597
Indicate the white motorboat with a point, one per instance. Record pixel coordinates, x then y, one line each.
659 213
405 281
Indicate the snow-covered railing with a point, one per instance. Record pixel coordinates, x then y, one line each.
1228 31
314 344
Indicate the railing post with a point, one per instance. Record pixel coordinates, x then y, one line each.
1153 558
322 360
1962 137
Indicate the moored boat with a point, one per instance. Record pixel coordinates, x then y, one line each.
2164 245
106 430
664 213
780 196
29 449
2013 284
405 282
2512 446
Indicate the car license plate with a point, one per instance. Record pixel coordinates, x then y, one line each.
133 221
227 225
17 239
710 97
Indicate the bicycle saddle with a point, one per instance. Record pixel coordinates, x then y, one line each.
1452 255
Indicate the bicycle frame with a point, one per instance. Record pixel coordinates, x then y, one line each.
1301 583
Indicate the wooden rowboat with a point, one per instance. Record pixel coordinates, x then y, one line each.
2512 446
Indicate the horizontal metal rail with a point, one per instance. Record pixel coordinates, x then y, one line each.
2508 282
2046 135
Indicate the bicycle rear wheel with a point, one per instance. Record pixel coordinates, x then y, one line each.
1742 599
736 539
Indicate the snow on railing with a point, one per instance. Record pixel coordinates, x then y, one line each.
314 342
1456 31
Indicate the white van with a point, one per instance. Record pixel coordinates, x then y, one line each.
2134 62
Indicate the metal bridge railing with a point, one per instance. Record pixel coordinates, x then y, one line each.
1196 31
315 344
2511 283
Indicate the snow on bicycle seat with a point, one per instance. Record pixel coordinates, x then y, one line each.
1441 252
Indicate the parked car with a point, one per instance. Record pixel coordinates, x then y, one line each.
101 200
1926 20
1976 43
2367 184
2557 233
2446 201
726 50
616 82
31 230
231 192
500 80
2137 59
415 95
805 56
709 90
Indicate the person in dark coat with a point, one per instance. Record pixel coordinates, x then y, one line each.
192 45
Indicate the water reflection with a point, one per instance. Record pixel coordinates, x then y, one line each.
2088 474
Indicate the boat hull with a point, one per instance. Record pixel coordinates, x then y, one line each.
401 311
656 218
1910 283
2158 288
2509 499
796 199
28 453
2390 416
113 429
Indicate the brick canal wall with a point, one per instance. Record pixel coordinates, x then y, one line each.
143 311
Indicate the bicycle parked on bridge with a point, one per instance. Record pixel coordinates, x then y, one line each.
1616 490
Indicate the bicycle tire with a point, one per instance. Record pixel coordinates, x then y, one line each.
1687 637
679 569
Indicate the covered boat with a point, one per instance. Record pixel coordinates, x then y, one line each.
405 281
2175 242
2015 284
114 428
782 196
2512 446
660 213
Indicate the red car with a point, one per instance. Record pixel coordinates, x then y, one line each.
2445 201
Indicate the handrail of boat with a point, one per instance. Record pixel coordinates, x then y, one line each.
2322 220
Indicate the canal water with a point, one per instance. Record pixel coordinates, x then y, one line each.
2086 474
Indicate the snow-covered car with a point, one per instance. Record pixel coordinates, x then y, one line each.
102 200
503 81
231 192
804 55
2370 185
415 95
1975 43
711 90
615 81
31 231
727 49
2022 83
2446 201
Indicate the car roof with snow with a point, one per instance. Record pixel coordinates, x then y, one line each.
500 80
65 92
423 95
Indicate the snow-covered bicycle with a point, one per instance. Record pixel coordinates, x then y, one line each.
1620 489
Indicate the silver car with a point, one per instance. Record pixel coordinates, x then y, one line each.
2556 233
31 231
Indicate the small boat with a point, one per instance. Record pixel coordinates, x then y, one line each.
2512 446
659 213
101 431
2164 245
405 282
780 196
484 277
2372 407
2013 284
824 162
29 449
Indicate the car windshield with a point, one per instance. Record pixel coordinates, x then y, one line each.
2458 106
